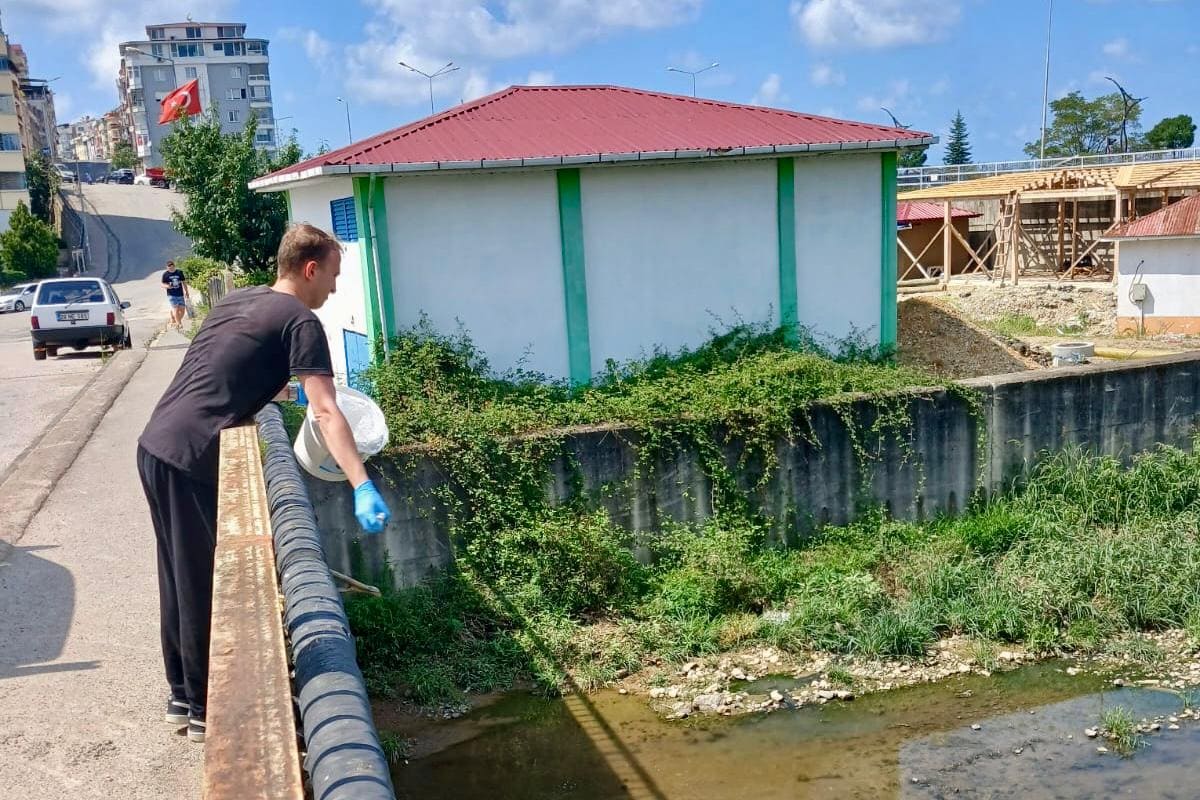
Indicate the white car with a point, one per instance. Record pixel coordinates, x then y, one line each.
77 313
141 180
18 298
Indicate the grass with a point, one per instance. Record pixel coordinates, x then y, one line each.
839 675
1118 726
1087 553
1017 326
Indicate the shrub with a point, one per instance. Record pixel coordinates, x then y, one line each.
29 246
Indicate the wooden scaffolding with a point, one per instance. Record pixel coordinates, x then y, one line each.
1031 221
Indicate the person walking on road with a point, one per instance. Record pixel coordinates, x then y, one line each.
241 359
178 293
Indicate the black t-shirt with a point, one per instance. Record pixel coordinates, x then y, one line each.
249 345
173 278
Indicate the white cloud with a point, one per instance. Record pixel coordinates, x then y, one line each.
897 93
826 75
1100 77
107 24
483 32
770 92
1117 48
940 87
540 77
873 23
316 47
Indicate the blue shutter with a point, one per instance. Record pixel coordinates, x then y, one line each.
341 212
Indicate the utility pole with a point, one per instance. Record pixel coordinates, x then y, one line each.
349 133
1046 80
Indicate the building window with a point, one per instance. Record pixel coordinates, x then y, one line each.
259 93
192 50
341 212
234 48
158 33
256 48
235 94
228 32
6 104
156 49
264 137
235 72
259 71
137 99
192 33
235 116
160 74
12 181
189 73
10 141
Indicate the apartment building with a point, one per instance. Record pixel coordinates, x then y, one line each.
232 71
12 159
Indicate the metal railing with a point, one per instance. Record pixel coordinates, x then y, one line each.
937 175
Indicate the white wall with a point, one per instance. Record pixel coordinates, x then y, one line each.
483 249
1171 272
669 247
839 243
344 310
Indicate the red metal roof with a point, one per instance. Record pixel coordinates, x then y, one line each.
1181 218
921 211
554 122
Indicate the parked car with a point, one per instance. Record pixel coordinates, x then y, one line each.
119 176
77 313
17 298
65 175
142 180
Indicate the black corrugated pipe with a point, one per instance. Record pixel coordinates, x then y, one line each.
345 760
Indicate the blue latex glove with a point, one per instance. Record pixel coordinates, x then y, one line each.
369 507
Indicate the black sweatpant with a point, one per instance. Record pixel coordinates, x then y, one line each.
184 513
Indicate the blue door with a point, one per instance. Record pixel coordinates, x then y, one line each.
358 358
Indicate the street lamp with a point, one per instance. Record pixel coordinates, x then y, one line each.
346 103
1046 80
446 70
693 73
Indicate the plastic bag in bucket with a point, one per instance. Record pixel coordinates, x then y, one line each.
366 422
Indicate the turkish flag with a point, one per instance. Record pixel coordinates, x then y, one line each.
186 98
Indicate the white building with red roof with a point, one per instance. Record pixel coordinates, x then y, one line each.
564 226
1158 270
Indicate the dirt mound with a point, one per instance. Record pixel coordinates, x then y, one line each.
935 338
1042 309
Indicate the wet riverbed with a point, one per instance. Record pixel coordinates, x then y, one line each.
911 743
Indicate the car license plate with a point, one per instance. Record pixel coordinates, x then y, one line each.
71 316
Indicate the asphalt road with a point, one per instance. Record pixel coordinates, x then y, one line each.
33 393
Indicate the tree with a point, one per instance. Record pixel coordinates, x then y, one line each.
958 149
29 246
43 183
1172 133
912 157
123 156
1082 126
223 217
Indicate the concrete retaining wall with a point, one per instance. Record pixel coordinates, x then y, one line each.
934 466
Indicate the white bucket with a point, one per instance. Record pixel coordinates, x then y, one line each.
366 422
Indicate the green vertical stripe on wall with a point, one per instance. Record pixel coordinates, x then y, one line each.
366 260
570 223
887 311
287 201
384 252
786 220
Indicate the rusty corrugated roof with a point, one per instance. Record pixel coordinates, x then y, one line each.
549 122
1181 218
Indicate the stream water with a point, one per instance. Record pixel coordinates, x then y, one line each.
912 743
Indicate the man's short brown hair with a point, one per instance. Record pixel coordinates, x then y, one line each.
302 243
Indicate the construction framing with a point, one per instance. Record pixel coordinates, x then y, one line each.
1031 222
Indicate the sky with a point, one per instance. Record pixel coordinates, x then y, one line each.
922 59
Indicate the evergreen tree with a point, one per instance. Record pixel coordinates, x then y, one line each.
958 149
29 247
